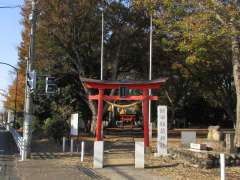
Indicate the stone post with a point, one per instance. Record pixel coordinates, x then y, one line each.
222 166
229 140
82 150
64 144
71 148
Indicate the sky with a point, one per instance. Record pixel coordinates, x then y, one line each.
10 38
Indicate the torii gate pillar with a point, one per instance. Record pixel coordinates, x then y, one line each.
99 116
145 116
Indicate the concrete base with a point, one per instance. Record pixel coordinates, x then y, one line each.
98 154
139 154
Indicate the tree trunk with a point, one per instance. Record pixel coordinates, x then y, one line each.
172 122
114 77
92 107
236 75
93 123
230 113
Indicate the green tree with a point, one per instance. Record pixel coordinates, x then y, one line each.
206 34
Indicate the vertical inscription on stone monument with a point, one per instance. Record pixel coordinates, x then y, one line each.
162 131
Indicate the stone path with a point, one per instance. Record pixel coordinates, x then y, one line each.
119 154
128 173
52 170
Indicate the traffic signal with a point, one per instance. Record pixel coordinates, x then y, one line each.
123 91
51 86
31 80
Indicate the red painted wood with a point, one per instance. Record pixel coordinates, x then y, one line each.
145 116
127 118
99 117
92 85
117 98
93 97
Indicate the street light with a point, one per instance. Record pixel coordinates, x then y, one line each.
16 90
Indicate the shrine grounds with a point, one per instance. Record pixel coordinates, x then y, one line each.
48 162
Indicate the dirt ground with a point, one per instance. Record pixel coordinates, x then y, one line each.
49 162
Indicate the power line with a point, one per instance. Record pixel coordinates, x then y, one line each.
11 7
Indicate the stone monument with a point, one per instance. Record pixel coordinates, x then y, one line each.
162 131
214 139
188 137
214 133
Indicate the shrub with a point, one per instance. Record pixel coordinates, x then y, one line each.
56 128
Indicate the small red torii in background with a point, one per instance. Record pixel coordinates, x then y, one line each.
144 86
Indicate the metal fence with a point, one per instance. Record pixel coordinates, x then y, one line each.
17 138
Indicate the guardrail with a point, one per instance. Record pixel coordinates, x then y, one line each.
17 138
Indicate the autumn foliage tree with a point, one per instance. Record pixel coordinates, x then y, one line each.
23 55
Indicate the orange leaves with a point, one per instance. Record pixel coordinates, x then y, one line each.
10 100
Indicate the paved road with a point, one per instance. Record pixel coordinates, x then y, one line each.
7 156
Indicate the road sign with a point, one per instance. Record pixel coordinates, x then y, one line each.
74 124
51 86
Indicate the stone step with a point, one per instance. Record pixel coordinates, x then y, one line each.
119 162
118 156
120 151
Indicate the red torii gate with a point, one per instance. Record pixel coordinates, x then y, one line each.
144 86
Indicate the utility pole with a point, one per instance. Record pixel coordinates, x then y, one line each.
15 102
102 46
27 127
